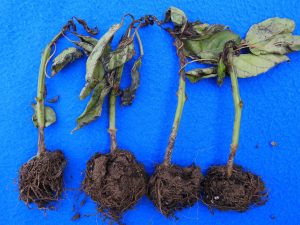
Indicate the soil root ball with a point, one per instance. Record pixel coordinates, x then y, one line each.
173 188
115 181
41 179
237 192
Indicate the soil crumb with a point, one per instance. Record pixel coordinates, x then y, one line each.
173 188
115 181
238 192
41 179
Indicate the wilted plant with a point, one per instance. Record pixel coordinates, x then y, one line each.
41 178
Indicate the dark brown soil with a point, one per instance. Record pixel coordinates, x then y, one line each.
242 190
173 188
115 181
41 179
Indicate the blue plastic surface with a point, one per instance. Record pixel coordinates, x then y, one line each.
271 112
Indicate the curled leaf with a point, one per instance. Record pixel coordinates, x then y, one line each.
93 79
249 65
198 74
92 63
86 47
200 31
209 48
94 107
273 35
87 39
50 116
177 16
92 31
120 56
63 59
129 93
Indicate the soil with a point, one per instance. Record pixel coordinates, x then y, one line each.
242 190
115 181
41 179
173 188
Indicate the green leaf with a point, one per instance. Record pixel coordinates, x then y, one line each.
249 65
50 116
120 56
198 74
94 107
177 16
65 58
96 77
129 93
273 35
92 81
99 50
86 47
209 48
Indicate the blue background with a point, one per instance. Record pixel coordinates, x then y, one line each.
271 110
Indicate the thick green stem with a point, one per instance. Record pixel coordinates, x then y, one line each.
180 104
238 104
40 107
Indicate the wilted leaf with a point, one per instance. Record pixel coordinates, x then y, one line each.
203 30
177 16
86 47
94 106
129 93
273 35
50 116
63 59
209 48
120 56
87 39
96 77
249 65
98 51
198 74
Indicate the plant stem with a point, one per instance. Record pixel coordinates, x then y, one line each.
180 104
40 107
238 104
112 120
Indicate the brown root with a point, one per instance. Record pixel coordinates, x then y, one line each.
115 181
41 179
173 188
237 192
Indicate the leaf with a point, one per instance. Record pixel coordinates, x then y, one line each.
209 48
273 35
63 59
177 16
87 39
198 74
129 93
249 65
96 77
94 107
86 47
120 56
50 116
203 30
98 51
